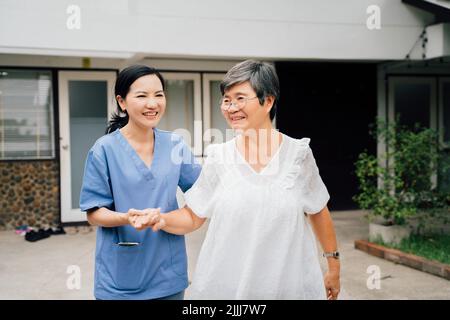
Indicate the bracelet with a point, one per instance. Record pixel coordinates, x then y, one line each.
334 254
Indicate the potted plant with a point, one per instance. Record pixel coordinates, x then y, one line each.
397 188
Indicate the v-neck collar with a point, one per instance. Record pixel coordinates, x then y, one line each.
140 164
272 159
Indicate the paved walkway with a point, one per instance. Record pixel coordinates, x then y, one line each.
41 270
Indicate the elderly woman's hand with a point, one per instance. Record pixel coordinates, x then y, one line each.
332 284
147 218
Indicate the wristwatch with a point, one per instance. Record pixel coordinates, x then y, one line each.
334 254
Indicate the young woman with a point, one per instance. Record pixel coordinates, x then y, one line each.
256 189
137 166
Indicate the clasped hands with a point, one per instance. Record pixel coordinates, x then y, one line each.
147 218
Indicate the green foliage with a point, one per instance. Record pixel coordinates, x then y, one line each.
433 247
411 159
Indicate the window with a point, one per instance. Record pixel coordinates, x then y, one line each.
180 105
26 115
217 120
412 102
215 125
184 110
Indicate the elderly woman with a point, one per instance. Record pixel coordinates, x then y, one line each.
258 190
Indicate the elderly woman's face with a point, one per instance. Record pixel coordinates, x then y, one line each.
241 107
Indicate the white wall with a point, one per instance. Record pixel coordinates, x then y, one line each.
232 29
46 61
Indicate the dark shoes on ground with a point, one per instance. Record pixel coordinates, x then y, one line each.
34 236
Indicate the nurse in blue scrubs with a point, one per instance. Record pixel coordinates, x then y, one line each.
136 166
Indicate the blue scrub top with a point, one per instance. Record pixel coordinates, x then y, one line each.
115 177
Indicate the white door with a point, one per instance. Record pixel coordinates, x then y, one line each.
184 111
86 99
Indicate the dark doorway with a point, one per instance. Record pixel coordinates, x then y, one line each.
333 104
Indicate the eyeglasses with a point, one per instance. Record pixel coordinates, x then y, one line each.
240 103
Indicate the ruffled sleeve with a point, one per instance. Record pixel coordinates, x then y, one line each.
314 192
293 176
202 196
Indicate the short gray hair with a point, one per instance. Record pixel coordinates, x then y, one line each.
262 77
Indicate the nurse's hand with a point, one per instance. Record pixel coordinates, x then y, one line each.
137 218
142 219
132 216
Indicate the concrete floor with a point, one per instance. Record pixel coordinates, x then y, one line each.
42 269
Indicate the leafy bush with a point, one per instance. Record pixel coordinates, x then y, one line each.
406 189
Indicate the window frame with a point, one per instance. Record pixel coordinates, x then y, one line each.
430 80
53 110
207 106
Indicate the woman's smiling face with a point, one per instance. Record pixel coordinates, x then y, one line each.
252 115
145 102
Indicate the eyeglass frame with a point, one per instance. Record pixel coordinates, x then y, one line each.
222 104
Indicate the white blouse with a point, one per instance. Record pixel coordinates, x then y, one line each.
258 244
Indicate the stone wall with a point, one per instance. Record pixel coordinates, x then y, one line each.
29 194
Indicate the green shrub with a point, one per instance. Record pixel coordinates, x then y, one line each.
406 189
